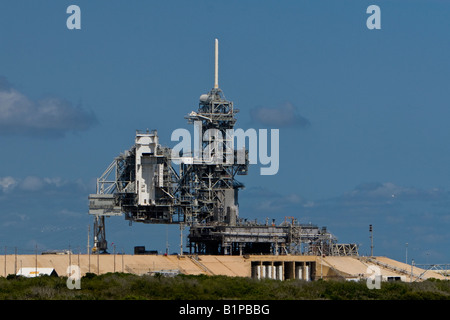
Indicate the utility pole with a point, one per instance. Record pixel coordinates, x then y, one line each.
167 240
181 239
5 261
35 252
89 231
371 240
114 254
88 250
98 261
15 260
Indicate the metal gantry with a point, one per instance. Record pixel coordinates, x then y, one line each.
144 185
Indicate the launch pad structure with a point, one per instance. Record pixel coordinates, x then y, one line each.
153 184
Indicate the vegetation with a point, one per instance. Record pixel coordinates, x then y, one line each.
122 286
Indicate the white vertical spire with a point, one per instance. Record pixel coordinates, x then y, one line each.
216 65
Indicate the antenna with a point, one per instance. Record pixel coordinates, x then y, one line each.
216 65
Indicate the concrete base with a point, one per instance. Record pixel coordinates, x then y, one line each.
282 267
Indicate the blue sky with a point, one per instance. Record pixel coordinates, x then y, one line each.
363 114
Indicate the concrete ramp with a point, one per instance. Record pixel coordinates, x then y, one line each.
412 273
357 268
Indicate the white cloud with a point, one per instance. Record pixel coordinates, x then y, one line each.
265 200
57 181
14 219
284 115
7 183
37 184
390 191
46 117
32 183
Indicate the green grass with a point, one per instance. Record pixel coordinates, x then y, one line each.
121 286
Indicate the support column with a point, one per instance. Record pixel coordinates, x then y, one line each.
100 243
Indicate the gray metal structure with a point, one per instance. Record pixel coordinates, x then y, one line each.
144 185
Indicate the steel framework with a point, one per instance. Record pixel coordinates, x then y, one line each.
143 185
